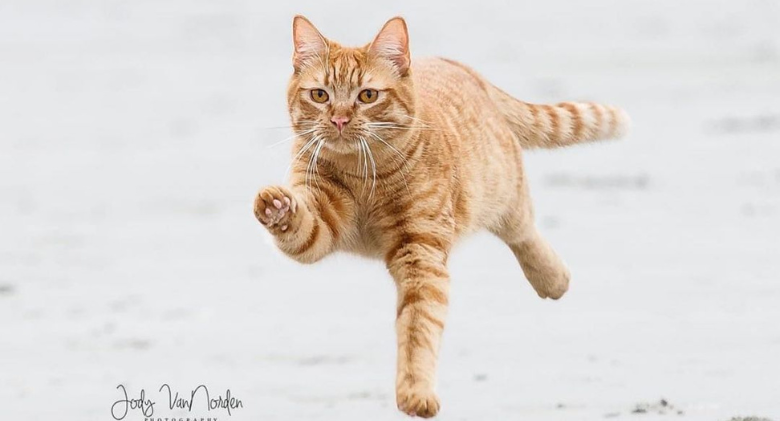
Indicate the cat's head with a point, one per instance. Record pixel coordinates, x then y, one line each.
345 96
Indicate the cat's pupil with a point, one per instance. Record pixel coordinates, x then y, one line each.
368 94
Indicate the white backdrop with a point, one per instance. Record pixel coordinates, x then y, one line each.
134 135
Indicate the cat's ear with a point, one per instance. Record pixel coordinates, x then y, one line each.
308 42
392 44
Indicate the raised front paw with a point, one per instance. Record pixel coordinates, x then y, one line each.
275 207
417 400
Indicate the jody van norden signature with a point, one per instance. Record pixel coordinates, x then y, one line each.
121 407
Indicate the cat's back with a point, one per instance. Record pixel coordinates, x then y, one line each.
449 87
470 144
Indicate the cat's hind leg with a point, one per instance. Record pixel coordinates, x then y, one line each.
541 265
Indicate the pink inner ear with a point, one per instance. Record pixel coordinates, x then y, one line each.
392 43
308 42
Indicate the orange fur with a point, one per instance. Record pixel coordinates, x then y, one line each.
436 156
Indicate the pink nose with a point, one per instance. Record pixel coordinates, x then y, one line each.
340 122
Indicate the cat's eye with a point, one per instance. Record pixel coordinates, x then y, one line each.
368 96
319 96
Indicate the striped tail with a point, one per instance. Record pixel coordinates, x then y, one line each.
564 124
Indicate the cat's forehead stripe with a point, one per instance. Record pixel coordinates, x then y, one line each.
344 71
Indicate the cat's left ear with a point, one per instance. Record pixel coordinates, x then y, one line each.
392 44
308 42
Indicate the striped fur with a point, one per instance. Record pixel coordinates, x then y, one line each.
438 155
564 124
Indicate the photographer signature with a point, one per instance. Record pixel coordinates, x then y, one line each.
145 406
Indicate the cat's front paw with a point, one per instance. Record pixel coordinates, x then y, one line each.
417 400
275 207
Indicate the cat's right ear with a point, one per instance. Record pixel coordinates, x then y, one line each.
308 42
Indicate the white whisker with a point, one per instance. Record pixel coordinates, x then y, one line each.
303 133
312 164
396 126
417 119
365 161
404 160
316 163
298 123
300 153
361 162
373 166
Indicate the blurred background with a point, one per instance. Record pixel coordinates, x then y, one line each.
134 135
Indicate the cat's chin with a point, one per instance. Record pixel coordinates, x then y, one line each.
341 146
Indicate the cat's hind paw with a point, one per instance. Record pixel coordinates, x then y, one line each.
552 283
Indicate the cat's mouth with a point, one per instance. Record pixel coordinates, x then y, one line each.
342 145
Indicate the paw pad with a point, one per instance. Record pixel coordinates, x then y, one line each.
273 207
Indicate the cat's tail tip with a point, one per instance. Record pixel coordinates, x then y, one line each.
571 123
623 123
563 124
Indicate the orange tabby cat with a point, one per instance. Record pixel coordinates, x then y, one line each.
397 160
